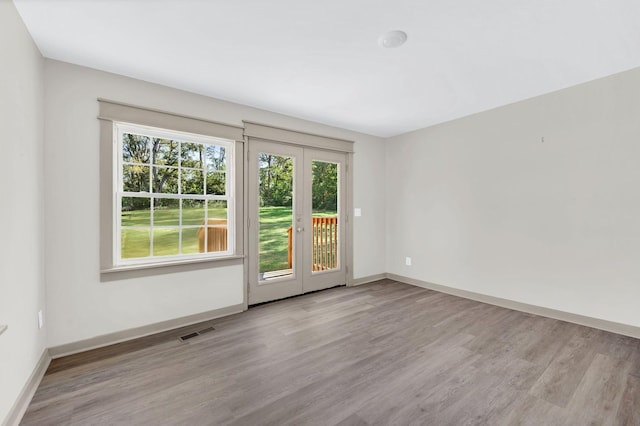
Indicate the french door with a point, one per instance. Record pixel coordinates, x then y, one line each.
297 227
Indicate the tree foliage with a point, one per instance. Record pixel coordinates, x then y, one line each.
324 187
276 182
167 166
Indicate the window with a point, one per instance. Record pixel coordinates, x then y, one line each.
173 195
171 192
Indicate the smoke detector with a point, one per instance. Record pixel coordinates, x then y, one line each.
392 39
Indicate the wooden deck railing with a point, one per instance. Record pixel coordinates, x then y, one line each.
216 236
324 231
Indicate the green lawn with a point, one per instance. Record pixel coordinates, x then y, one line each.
135 242
274 222
274 240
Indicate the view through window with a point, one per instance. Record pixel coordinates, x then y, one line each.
173 195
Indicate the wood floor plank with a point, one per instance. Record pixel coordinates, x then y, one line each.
489 399
544 345
384 353
598 396
533 411
429 398
353 420
563 375
629 409
518 373
382 404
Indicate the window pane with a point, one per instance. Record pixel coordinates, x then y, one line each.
324 188
217 237
191 240
216 183
216 158
192 181
217 210
135 211
135 148
134 243
164 151
165 180
276 249
192 155
166 212
217 226
193 212
135 178
165 241
324 223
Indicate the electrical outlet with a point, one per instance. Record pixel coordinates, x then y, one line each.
40 319
407 261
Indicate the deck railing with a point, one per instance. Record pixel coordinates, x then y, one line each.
216 236
324 231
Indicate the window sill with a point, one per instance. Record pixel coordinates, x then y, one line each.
134 271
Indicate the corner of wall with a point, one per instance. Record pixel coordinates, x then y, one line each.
21 260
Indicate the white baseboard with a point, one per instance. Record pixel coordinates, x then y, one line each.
24 399
134 333
611 326
369 279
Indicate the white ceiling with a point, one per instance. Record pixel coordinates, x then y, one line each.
320 60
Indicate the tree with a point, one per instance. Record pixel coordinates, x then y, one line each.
324 186
275 180
135 149
216 169
164 157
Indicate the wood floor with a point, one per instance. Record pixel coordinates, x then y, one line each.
380 354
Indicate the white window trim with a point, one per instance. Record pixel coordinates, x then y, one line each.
120 128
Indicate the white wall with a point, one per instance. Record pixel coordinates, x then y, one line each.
22 291
481 204
79 305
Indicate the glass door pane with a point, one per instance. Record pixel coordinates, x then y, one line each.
324 216
276 227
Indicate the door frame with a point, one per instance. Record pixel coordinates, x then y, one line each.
252 131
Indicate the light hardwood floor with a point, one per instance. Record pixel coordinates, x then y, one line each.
385 353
